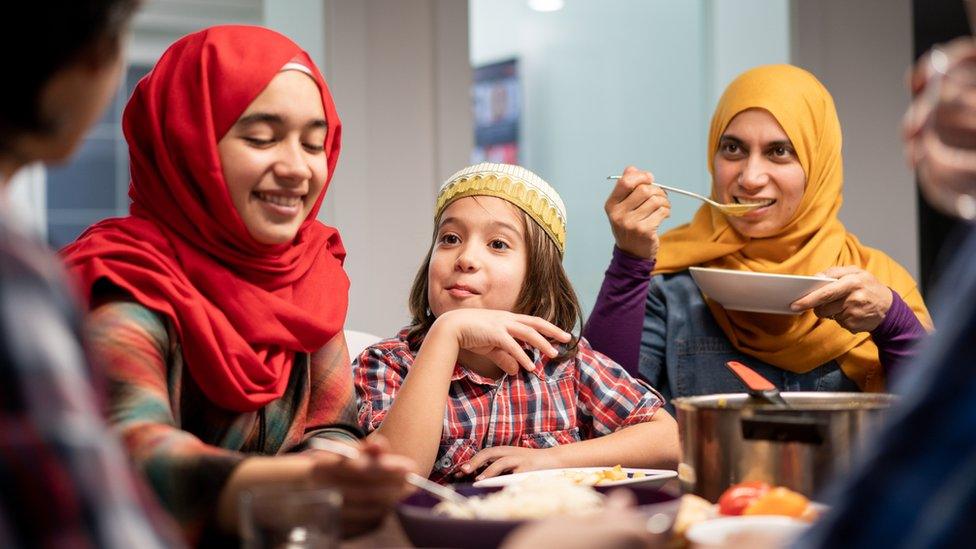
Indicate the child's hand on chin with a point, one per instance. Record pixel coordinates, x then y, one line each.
511 459
496 335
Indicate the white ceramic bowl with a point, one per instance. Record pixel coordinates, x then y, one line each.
755 532
755 292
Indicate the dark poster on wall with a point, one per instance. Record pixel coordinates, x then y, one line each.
497 103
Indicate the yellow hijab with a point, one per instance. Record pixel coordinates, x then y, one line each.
811 242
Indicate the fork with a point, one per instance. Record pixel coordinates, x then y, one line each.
444 493
733 209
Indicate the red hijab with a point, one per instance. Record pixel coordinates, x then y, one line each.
241 309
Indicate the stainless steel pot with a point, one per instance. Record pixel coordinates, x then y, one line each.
728 438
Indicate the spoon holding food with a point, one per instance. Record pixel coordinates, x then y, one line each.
735 209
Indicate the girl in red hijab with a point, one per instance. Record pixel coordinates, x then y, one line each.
218 304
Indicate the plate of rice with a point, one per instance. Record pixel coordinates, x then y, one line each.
493 513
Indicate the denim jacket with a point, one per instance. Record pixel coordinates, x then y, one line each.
684 351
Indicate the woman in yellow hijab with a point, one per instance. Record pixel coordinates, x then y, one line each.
774 138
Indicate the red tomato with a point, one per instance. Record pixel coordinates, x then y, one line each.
739 496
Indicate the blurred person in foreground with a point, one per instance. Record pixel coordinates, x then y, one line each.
66 480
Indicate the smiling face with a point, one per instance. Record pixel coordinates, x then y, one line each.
756 162
273 158
479 256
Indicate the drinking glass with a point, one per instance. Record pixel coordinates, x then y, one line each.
281 517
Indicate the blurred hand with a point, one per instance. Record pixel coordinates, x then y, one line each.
370 484
636 208
857 300
616 527
496 335
940 127
510 459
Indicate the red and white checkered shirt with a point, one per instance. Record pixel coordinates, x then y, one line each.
559 403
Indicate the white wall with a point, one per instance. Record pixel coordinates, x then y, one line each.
617 82
400 75
301 20
158 23
743 34
860 51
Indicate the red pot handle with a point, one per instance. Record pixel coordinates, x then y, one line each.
750 377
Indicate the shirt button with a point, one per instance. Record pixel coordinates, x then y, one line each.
445 462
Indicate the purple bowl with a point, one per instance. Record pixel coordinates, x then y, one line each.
425 529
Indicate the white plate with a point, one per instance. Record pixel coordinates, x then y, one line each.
755 292
652 479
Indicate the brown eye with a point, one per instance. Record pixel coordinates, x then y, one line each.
781 152
730 148
450 239
498 244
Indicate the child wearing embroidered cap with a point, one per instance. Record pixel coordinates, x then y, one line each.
487 379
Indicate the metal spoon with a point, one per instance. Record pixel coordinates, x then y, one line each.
734 209
444 493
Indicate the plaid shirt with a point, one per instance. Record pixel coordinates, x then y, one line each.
65 480
558 403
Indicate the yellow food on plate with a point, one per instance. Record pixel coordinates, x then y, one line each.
779 501
603 476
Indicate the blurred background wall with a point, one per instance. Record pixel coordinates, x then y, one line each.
861 51
601 84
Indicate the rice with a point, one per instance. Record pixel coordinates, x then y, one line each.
533 498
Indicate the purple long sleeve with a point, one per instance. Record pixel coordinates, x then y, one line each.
897 335
614 326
